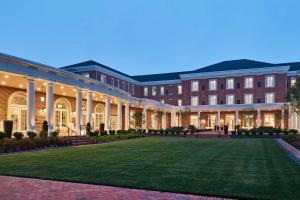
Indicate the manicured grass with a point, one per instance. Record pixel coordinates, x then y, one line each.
241 168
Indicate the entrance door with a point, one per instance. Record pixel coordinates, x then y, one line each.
269 120
229 120
18 116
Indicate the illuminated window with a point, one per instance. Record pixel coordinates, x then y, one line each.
212 119
153 90
270 81
179 102
194 101
103 78
248 82
162 90
194 120
212 100
269 98
212 85
145 91
293 81
179 89
195 85
230 99
269 120
248 99
230 83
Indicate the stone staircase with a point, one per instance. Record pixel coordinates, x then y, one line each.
81 140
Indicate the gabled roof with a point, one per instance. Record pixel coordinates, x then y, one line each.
234 65
91 62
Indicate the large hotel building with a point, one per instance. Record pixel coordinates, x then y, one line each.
71 96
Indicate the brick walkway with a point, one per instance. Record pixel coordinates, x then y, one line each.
25 189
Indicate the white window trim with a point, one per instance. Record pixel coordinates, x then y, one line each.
162 90
266 81
192 88
233 101
209 86
245 98
209 100
146 91
273 100
246 82
192 97
154 91
227 88
179 91
179 104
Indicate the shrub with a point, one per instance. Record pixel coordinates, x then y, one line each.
2 135
240 131
102 133
246 132
54 134
277 131
45 126
43 134
31 134
232 132
18 135
253 131
293 131
119 131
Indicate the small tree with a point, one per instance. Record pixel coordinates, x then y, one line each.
183 114
138 119
293 98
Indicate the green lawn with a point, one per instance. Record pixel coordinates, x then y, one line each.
242 168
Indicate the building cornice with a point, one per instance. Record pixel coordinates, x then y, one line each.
233 73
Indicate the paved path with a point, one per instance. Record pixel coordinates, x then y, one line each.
35 189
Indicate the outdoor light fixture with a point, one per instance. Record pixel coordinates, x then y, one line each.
21 86
42 99
3 82
6 76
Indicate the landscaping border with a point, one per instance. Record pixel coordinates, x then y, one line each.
291 151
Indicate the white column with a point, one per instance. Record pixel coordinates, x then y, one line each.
145 117
155 119
89 110
127 116
164 120
258 119
107 114
78 109
30 105
199 119
173 118
49 106
282 118
236 118
219 118
119 114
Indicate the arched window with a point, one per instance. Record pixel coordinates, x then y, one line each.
62 113
99 116
17 111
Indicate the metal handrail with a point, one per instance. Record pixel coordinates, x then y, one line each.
76 133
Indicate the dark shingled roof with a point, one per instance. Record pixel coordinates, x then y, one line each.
91 62
221 66
234 65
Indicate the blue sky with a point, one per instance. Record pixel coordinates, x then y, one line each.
150 36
